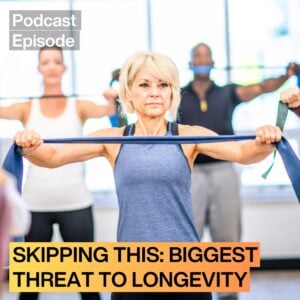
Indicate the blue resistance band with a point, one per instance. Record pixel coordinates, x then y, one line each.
118 119
13 162
297 109
298 79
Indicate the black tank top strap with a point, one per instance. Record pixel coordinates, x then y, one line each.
126 130
174 128
174 131
129 130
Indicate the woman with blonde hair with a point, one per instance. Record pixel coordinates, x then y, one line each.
153 181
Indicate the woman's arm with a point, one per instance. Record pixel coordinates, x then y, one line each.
50 156
241 152
15 111
89 109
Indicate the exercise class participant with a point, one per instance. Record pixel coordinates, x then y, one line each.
153 181
57 196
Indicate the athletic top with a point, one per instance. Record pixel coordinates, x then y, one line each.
61 188
221 102
153 184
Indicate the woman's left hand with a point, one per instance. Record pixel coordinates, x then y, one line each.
291 97
268 134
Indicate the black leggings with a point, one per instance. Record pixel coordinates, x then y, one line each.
161 296
74 226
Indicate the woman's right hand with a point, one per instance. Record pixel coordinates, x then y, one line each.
29 140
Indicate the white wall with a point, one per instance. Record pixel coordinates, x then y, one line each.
275 225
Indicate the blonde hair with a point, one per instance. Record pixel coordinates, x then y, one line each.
160 66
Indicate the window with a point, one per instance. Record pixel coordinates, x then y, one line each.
261 48
177 26
113 29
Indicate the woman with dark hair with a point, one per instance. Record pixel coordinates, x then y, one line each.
57 196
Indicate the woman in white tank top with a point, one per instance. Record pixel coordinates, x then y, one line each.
57 196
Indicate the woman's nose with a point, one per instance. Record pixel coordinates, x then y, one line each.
154 91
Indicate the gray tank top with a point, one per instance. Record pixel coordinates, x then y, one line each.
153 186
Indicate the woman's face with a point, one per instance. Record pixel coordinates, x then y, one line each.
51 66
150 95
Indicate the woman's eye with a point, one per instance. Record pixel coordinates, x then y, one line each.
164 85
144 85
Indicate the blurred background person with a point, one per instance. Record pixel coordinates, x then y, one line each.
215 183
57 196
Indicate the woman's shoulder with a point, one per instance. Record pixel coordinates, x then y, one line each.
112 131
24 104
189 130
22 110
